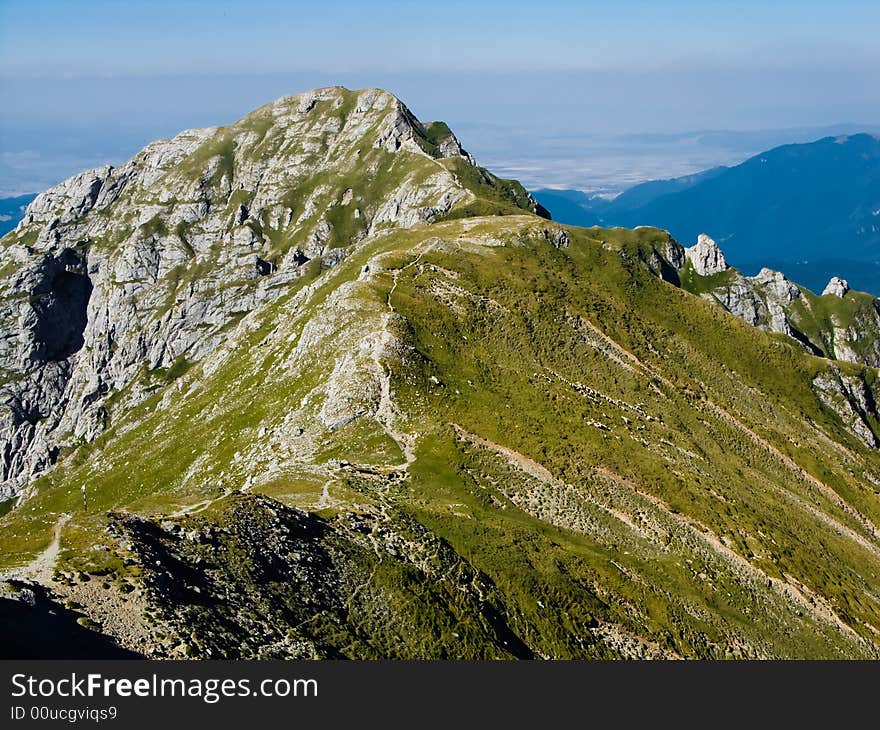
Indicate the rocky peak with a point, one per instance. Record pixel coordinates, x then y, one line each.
837 287
705 256
119 274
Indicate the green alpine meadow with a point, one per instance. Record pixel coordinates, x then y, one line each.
316 385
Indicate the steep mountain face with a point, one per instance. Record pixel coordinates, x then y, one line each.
120 278
809 209
449 429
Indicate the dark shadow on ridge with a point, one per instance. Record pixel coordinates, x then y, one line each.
48 630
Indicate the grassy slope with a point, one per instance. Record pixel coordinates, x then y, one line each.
653 484
728 482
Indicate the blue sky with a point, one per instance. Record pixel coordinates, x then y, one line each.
83 82
58 37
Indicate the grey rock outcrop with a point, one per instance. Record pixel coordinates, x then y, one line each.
777 293
706 257
836 287
776 285
851 399
762 300
740 299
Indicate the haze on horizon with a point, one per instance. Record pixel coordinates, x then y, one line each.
578 94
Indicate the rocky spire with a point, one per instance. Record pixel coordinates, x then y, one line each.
706 257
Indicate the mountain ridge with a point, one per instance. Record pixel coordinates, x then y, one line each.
446 427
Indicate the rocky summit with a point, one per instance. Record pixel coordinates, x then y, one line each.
119 275
317 385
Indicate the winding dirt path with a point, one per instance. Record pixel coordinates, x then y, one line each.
40 569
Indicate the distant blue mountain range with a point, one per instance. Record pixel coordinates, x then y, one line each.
811 210
12 211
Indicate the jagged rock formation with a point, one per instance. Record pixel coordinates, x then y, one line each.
119 276
761 300
314 385
851 399
706 257
836 287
